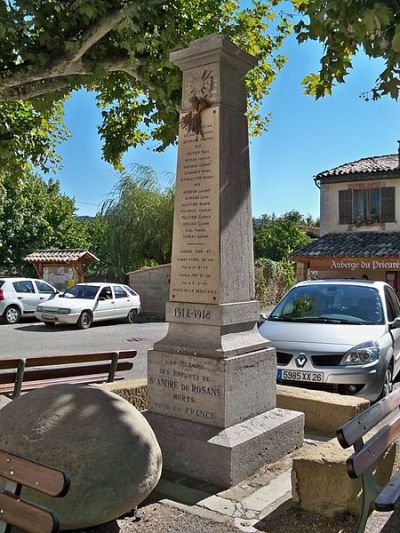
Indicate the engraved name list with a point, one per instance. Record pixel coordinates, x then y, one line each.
195 250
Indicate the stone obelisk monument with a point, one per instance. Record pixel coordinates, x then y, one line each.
211 380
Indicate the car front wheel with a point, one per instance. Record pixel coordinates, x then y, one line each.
85 320
132 315
387 383
12 315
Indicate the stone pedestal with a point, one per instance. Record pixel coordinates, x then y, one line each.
211 380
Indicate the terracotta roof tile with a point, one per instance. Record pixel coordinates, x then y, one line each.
367 165
60 256
355 244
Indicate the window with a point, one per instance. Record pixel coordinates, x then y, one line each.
42 287
105 294
392 304
120 292
367 206
330 304
24 286
129 289
82 291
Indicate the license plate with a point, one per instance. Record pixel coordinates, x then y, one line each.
49 317
300 375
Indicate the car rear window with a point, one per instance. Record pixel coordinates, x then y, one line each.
1 282
129 289
331 303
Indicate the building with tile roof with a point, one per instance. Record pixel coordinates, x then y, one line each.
359 222
61 268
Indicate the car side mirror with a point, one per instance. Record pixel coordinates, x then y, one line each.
395 324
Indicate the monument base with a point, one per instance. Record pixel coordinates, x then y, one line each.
224 457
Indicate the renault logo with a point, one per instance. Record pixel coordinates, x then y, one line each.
301 360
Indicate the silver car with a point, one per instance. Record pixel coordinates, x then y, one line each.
340 336
19 297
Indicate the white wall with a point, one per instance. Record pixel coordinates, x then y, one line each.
329 208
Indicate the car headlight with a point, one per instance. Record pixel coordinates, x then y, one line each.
38 308
63 311
364 353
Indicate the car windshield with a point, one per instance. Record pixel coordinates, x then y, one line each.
330 303
81 291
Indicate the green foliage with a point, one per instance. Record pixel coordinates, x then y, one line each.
276 237
29 135
119 49
35 215
345 27
269 290
134 226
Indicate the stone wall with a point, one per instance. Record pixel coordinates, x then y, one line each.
152 284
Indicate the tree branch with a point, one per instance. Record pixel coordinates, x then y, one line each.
49 84
98 31
67 64
31 90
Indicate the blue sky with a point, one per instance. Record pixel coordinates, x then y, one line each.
304 138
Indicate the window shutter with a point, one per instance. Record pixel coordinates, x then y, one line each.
345 206
387 204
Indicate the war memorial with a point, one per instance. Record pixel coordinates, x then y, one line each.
211 380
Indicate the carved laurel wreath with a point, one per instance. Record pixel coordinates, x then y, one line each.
191 122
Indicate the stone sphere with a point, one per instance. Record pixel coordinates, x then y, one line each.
103 443
4 400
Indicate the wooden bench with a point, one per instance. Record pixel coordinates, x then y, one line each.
366 454
14 510
17 375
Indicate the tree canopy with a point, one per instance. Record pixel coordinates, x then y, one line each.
35 215
277 237
134 226
344 28
119 49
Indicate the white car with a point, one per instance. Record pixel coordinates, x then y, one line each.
85 303
19 297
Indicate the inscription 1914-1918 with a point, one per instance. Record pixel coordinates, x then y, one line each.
197 314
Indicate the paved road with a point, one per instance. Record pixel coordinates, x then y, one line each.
29 338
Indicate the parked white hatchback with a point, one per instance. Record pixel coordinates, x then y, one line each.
85 303
19 297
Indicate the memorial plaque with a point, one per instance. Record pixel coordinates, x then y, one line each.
195 248
187 387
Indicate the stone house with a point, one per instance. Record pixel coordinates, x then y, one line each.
359 223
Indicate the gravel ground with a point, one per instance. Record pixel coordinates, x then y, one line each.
155 517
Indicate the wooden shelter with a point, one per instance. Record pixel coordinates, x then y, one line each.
61 268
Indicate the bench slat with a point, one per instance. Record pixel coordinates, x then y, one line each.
357 427
31 385
49 360
26 516
389 498
373 449
52 373
25 472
